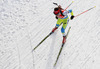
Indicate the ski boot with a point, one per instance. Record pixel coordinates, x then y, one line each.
54 29
64 39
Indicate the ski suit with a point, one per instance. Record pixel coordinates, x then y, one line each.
63 19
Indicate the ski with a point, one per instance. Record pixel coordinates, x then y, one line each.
61 47
43 40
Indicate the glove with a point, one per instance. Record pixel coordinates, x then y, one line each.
72 17
56 17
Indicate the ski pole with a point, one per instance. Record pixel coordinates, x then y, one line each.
85 11
69 5
66 7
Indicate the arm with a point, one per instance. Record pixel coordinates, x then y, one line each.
72 15
70 11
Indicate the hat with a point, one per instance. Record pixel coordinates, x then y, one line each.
56 11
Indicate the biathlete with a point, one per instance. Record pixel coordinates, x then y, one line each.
62 16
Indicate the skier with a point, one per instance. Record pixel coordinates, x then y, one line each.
63 18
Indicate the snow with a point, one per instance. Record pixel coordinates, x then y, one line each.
24 23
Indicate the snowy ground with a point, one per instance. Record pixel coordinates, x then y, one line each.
24 23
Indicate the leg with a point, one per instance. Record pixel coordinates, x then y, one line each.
59 22
65 22
63 30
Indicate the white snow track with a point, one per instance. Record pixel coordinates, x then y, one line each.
24 23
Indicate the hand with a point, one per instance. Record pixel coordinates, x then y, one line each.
72 17
56 17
